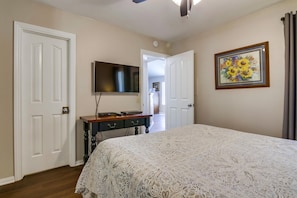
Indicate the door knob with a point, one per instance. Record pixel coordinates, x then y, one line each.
190 105
65 110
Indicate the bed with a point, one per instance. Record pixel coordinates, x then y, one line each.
195 161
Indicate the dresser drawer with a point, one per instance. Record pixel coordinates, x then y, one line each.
117 124
134 122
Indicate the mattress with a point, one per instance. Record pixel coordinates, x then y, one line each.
192 161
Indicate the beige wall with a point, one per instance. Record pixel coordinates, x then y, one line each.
95 41
256 110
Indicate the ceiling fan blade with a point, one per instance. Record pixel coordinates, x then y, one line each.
190 5
138 1
184 8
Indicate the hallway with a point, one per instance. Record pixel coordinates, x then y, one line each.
158 124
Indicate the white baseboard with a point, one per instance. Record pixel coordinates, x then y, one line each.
79 162
7 180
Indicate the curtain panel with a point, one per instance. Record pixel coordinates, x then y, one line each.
290 103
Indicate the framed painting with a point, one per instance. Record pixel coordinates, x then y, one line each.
244 67
156 86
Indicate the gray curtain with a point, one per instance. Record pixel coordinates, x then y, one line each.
290 105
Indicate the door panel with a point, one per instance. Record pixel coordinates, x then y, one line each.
37 126
180 90
57 73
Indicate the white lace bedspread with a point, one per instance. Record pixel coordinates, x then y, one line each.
193 161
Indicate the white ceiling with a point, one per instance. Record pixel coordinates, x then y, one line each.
161 19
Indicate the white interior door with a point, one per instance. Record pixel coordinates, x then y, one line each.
44 75
179 82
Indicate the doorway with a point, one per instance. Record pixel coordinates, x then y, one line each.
156 82
179 93
154 88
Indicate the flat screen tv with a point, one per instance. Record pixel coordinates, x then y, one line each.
114 78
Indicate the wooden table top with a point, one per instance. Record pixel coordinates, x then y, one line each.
93 118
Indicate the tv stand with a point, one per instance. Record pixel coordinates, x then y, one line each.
100 124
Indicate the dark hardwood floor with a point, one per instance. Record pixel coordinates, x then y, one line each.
56 183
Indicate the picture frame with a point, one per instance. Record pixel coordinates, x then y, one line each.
156 86
245 67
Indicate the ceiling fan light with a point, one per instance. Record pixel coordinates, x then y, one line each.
177 2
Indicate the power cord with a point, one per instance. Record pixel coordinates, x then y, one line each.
97 100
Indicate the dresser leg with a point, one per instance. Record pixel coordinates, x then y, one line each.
147 129
136 130
147 125
95 129
93 142
86 141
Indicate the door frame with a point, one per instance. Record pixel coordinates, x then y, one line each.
144 79
19 29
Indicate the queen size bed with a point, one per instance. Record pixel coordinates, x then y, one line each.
194 161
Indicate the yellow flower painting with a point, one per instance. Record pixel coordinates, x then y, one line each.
240 68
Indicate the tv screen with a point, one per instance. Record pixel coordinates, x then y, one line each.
115 78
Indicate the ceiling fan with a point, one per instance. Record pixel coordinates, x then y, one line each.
185 6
